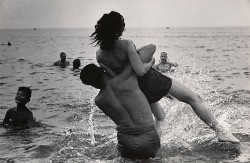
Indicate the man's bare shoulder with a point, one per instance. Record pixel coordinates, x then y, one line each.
12 109
57 63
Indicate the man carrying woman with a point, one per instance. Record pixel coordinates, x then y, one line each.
115 56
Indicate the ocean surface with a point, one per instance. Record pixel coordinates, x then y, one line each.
213 62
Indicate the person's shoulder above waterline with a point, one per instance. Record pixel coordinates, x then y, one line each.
57 63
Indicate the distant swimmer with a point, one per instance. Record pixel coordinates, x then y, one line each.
9 44
164 65
20 116
76 66
62 63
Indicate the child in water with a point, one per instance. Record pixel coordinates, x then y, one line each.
20 116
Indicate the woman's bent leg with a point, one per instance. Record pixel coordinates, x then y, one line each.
184 94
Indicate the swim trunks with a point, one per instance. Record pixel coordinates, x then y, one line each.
154 85
138 143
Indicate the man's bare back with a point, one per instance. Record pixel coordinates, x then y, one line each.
137 136
136 133
121 98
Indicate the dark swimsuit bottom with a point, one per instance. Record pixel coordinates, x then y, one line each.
154 85
138 143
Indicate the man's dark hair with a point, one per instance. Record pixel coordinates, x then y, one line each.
92 75
62 53
27 90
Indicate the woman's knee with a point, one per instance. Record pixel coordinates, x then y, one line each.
194 98
183 93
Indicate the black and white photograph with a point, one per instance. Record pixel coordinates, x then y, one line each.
129 81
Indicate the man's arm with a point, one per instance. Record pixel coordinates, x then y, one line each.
173 64
56 63
31 121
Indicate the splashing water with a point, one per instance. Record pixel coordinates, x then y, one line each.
91 125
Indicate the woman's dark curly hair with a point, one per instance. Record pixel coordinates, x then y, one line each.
108 29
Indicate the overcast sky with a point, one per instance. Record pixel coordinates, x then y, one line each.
137 13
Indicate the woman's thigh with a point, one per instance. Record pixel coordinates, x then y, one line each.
182 93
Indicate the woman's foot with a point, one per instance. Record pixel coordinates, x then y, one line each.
226 136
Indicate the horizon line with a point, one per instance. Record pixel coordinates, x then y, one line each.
35 28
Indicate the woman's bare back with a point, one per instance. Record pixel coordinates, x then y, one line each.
116 58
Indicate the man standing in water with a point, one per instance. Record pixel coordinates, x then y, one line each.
136 134
164 65
62 63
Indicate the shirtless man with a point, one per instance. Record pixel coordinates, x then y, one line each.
164 65
136 134
62 63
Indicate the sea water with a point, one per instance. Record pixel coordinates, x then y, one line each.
213 62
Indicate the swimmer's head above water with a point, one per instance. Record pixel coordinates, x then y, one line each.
76 64
164 57
23 95
63 56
